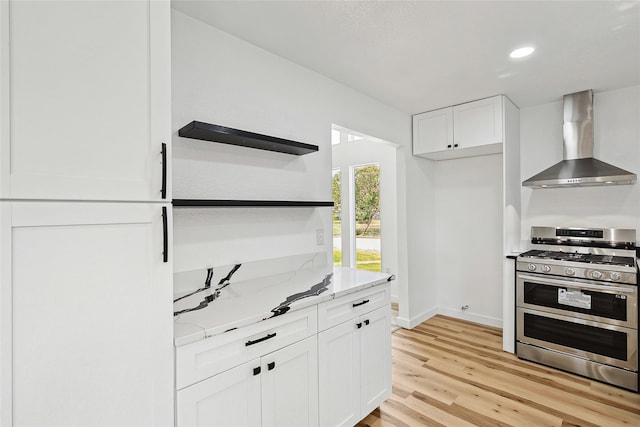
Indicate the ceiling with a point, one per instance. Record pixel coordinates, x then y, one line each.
422 55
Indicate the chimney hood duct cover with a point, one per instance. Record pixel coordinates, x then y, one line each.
579 168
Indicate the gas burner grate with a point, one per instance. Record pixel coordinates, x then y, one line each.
612 260
581 257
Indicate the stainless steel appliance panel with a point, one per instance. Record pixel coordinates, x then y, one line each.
608 344
605 373
610 303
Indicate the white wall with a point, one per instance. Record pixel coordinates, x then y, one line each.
418 231
221 79
617 141
469 235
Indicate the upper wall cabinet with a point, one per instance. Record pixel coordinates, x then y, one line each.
471 129
86 103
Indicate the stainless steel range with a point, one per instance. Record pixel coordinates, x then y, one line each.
577 303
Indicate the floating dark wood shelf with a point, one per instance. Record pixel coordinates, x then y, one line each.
225 135
203 203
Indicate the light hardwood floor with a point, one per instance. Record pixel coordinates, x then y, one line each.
449 372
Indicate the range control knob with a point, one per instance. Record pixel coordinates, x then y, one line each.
615 276
570 271
546 268
531 267
596 274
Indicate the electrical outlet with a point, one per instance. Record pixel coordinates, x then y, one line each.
319 237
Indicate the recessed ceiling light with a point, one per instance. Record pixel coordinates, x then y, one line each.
522 52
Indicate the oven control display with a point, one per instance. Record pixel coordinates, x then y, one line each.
574 298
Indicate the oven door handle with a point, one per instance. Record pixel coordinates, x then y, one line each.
578 285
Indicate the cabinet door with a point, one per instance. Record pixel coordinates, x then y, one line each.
375 359
433 131
230 399
87 303
478 123
290 385
339 375
89 89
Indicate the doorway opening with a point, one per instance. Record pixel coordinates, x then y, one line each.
364 188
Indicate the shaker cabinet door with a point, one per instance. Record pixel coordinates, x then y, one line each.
339 372
231 398
433 131
290 385
375 350
89 90
478 123
87 306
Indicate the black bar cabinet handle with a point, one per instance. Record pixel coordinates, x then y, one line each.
359 325
271 365
248 343
366 322
163 191
361 303
165 236
256 371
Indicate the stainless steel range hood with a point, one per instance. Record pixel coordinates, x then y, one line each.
579 168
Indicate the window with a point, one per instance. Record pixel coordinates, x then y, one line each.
367 216
336 191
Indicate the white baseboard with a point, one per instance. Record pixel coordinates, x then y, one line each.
465 315
477 318
415 321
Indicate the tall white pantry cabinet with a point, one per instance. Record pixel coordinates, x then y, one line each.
86 324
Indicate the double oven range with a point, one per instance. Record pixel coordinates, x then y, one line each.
577 303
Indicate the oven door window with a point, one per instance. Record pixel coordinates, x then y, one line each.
601 304
590 339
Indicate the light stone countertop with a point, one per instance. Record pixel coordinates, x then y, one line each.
253 298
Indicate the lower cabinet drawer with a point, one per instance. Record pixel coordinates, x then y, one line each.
203 359
341 309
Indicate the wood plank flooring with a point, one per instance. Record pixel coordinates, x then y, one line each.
450 372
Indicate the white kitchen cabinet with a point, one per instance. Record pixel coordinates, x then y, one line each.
277 378
202 359
355 367
279 389
339 379
85 100
290 385
375 359
85 287
433 131
231 398
478 123
86 314
347 307
471 129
